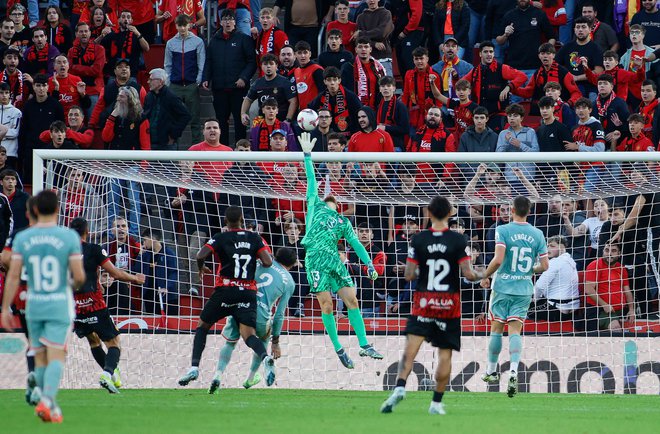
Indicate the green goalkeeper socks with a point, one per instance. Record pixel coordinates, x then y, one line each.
355 318
331 327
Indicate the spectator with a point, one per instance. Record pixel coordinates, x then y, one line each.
127 43
457 26
492 83
71 89
432 137
591 226
369 292
123 250
20 83
260 133
58 32
624 81
601 33
336 181
650 110
241 10
611 110
3 159
573 54
517 138
555 221
40 57
343 25
100 23
556 294
10 124
392 114
372 183
551 133
22 33
144 16
87 59
550 71
524 28
211 171
89 14
555 11
287 184
398 289
77 133
609 300
562 111
418 95
364 74
227 71
308 74
631 59
336 54
288 64
270 39
636 141
301 21
450 67
159 265
460 111
495 12
408 32
322 132
185 56
649 18
169 10
370 138
588 136
78 198
503 218
342 103
167 114
579 245
375 23
12 189
7 31
477 138
56 172
271 85
292 240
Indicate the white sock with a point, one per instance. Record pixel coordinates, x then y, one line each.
106 372
514 367
491 367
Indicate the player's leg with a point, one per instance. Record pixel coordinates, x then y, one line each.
249 335
498 313
54 338
96 348
263 333
442 373
327 316
231 334
35 330
347 294
413 343
111 365
31 378
515 350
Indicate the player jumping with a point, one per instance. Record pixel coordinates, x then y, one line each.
235 290
434 260
325 270
517 245
275 285
48 252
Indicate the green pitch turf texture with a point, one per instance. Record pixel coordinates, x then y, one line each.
193 411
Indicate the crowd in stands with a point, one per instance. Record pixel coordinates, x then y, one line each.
476 76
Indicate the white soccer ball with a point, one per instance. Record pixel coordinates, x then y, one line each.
308 119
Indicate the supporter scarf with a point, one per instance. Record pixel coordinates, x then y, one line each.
426 138
126 49
558 110
425 90
83 56
40 56
16 94
266 42
477 77
264 134
363 83
388 118
340 110
603 106
544 76
648 111
594 29
614 72
57 39
96 31
446 76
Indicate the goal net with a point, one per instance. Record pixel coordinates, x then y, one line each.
580 203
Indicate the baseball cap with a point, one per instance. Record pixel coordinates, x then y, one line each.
12 50
410 218
450 38
278 131
123 60
457 221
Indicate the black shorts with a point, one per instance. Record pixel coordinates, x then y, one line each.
98 322
445 334
232 301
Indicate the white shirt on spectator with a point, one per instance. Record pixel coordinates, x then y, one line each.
594 225
559 282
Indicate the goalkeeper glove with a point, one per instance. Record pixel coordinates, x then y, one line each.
306 143
371 271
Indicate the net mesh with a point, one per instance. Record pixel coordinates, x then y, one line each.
563 348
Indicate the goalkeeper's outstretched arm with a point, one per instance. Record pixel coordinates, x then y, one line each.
307 144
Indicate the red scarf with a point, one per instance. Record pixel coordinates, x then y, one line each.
558 110
648 111
264 134
544 76
478 76
126 46
594 28
40 56
83 56
366 89
423 91
388 117
58 38
16 94
426 137
266 41
603 106
339 112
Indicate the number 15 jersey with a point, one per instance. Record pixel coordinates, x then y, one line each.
524 244
438 255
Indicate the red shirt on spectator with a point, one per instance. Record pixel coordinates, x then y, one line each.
347 30
609 280
212 170
88 63
69 95
374 141
142 10
623 80
640 143
176 8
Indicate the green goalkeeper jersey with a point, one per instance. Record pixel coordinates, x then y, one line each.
325 226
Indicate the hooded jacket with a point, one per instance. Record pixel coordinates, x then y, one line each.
374 141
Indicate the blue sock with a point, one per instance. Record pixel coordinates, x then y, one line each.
39 372
225 356
494 348
515 348
52 378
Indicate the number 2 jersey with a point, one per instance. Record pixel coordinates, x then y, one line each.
438 255
237 251
524 244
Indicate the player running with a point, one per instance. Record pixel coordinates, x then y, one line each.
275 285
93 320
517 246
434 260
235 290
48 252
326 272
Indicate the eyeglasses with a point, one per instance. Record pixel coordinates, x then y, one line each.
228 19
16 14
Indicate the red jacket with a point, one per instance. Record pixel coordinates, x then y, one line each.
557 73
414 17
639 144
623 80
92 74
108 133
374 141
83 138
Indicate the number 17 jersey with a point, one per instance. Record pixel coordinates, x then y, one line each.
438 255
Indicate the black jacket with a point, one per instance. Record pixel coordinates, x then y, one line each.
227 60
461 22
6 219
18 202
167 116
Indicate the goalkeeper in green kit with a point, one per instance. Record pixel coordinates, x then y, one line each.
325 270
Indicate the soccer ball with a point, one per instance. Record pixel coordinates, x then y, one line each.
308 119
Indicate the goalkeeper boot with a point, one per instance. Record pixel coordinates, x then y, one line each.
512 389
344 359
116 378
269 370
191 375
215 384
253 382
437 408
492 378
31 384
396 397
369 351
106 382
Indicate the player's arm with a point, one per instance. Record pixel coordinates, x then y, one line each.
203 253
543 264
122 275
411 271
631 220
77 271
264 256
278 319
469 272
500 250
11 286
307 144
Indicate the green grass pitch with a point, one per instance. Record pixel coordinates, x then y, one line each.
193 411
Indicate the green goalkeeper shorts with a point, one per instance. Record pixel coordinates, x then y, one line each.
327 273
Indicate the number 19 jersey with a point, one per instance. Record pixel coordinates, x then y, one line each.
524 244
438 255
